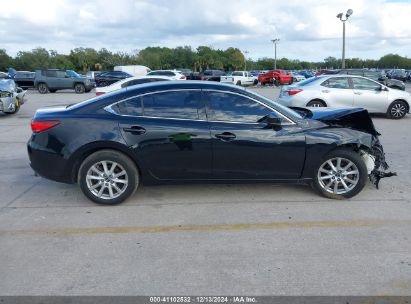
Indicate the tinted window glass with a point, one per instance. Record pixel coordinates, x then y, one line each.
178 104
51 73
237 74
130 107
364 84
336 83
231 107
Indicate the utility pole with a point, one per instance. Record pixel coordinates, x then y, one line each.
245 60
275 41
340 16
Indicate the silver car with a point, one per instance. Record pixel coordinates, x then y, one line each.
11 96
347 91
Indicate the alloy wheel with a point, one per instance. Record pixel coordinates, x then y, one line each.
338 175
107 179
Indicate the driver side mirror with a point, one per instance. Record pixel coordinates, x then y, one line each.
271 120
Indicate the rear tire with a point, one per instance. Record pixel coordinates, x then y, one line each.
316 103
238 83
344 179
397 110
108 177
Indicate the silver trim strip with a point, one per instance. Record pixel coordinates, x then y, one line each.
110 110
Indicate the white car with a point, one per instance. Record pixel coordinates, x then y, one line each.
298 77
129 82
239 78
347 91
175 75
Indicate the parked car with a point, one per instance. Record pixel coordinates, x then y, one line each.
109 77
3 75
24 79
93 74
212 75
176 75
51 80
121 84
399 74
297 77
374 75
239 78
347 91
134 70
180 131
11 96
276 77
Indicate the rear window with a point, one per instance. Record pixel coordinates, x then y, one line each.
237 74
307 81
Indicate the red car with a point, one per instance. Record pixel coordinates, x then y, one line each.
275 76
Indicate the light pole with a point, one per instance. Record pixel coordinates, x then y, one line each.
275 41
245 60
340 16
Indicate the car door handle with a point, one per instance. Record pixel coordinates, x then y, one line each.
226 136
325 91
357 93
136 130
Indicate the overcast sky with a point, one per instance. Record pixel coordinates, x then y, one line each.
307 29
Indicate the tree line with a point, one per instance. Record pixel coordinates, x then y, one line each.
199 59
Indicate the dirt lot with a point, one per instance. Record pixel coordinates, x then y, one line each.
201 239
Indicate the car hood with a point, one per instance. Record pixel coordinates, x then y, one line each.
354 118
7 85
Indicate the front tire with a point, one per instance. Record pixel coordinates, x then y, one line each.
341 174
397 110
79 88
108 177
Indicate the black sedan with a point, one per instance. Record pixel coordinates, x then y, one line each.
107 78
195 131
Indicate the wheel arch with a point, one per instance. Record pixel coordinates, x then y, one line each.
403 100
317 99
81 154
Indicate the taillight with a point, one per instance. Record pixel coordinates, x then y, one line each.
99 93
43 125
293 92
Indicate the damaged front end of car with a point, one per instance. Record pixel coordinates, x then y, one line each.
360 120
11 96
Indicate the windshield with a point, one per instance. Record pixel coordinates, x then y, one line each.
73 74
285 110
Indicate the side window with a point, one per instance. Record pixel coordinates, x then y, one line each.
364 84
357 73
235 108
51 73
130 107
336 83
181 104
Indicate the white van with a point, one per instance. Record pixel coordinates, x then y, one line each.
135 70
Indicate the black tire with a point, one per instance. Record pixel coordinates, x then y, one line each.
321 182
79 88
238 83
42 88
255 82
397 109
124 164
316 103
291 81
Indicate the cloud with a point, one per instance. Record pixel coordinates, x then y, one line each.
308 30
